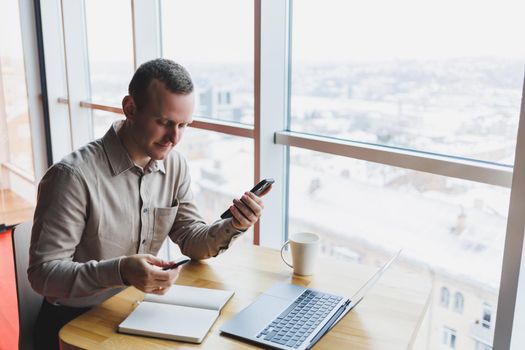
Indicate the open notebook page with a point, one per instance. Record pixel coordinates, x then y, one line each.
203 298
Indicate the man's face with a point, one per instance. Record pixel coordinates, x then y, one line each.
159 126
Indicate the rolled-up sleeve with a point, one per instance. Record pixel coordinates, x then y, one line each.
190 232
58 226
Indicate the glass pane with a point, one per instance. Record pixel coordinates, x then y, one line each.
437 76
219 54
15 146
110 48
17 193
365 212
102 121
221 169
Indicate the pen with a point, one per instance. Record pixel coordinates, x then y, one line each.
176 264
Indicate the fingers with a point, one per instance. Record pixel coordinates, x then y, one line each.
249 204
174 274
240 222
255 199
246 211
171 276
162 286
153 260
144 272
159 290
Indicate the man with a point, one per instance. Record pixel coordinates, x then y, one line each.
104 210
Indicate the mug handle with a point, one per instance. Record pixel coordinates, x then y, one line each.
282 256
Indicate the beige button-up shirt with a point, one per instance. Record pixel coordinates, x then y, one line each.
96 206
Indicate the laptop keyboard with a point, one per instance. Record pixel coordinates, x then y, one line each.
298 321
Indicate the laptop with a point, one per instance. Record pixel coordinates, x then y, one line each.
292 317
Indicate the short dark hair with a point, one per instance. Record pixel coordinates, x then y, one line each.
175 77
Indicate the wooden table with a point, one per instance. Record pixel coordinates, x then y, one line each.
388 318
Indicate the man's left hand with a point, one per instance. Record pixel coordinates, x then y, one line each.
247 210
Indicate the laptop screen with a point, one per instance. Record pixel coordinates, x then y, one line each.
360 294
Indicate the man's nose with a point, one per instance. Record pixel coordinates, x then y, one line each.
172 134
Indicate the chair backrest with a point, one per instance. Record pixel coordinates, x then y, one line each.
29 301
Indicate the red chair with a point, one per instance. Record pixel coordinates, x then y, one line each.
8 299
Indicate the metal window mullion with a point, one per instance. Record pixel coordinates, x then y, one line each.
32 74
510 318
146 30
56 85
77 71
482 172
271 79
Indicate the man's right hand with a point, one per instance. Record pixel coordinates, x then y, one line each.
144 272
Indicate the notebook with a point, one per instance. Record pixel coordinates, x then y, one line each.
183 313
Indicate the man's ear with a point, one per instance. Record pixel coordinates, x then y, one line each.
129 107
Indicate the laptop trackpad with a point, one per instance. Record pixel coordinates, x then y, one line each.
256 316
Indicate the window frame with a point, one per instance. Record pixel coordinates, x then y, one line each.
459 302
25 182
449 337
444 297
486 312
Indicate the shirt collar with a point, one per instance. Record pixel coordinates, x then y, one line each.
155 165
118 156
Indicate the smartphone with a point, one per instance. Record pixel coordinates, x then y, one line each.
181 261
257 190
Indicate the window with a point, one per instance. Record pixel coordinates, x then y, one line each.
402 78
221 64
445 296
459 302
219 170
432 80
219 55
14 114
110 48
16 149
449 337
399 80
362 208
102 121
487 315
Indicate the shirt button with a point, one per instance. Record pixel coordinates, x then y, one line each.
145 210
143 241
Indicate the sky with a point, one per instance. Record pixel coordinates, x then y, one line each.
332 30
336 30
327 30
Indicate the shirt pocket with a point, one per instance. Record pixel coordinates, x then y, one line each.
163 221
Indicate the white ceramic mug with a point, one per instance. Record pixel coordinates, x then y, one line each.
305 247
